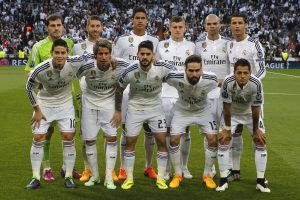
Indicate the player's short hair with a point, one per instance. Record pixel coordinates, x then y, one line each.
93 17
242 62
138 9
146 44
59 42
102 43
54 17
242 15
193 59
176 19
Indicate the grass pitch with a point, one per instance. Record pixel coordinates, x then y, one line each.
282 97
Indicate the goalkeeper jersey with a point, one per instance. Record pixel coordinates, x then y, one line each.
41 52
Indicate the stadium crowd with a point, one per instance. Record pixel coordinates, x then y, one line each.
274 22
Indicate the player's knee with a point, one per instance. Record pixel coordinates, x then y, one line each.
67 136
226 141
39 137
111 138
174 140
90 142
212 141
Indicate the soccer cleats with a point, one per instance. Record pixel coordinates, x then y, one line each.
261 186
122 175
86 175
109 184
69 183
34 184
93 181
161 184
175 181
114 176
209 182
223 185
128 184
75 173
150 172
48 175
187 174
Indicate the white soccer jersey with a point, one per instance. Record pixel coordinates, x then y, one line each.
174 53
214 56
242 99
83 47
192 98
126 46
145 87
57 84
251 50
101 85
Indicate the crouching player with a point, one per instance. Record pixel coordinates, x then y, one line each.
193 107
242 96
98 102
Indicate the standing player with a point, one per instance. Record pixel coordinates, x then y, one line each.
212 50
126 47
144 106
174 51
192 107
98 109
243 46
94 30
39 53
53 103
242 96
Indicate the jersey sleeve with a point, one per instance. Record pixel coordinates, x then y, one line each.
30 86
225 92
170 79
259 60
117 48
34 58
78 61
123 79
257 97
198 49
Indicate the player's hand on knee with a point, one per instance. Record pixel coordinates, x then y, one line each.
224 137
259 138
116 120
36 119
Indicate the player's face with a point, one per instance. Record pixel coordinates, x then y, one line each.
139 21
55 29
242 75
59 55
212 26
238 26
103 57
177 30
193 72
145 57
94 29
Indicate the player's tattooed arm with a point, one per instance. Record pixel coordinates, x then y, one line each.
119 97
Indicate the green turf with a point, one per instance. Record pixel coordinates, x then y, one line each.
281 118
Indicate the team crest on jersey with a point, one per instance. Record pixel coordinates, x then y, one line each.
231 45
113 77
181 85
187 52
203 93
204 45
83 46
49 73
93 74
130 40
224 49
166 45
156 78
70 74
137 76
244 52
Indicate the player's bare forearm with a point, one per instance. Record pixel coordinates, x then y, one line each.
255 117
119 97
227 113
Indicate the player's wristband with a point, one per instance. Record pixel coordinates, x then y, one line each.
227 128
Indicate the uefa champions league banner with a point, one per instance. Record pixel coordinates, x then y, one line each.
16 62
21 62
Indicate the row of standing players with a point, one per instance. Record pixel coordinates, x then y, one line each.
216 52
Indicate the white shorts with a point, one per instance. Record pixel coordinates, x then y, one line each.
206 121
168 104
124 107
154 118
63 116
247 121
92 120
